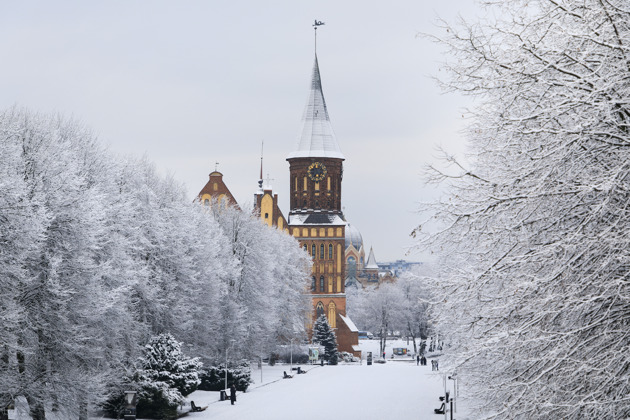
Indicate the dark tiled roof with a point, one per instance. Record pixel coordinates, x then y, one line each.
317 219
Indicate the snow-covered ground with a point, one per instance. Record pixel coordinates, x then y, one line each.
397 389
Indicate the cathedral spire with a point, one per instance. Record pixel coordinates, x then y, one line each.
260 180
317 138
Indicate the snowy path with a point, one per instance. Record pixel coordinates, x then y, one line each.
396 390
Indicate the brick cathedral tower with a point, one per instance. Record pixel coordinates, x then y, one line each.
315 217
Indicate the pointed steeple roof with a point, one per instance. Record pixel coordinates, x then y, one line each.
317 138
371 262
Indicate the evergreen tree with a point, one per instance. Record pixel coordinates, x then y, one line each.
164 361
323 334
165 377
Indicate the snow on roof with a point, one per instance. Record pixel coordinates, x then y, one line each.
349 323
371 262
353 237
356 347
316 219
317 138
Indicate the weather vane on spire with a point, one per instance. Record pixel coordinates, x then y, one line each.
216 166
315 25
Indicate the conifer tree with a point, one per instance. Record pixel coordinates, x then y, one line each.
164 361
323 334
165 377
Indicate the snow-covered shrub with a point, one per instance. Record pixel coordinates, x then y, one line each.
298 356
213 377
347 357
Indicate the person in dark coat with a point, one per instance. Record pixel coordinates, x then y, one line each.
417 360
233 394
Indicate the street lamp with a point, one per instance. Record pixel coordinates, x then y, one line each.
130 408
453 378
291 365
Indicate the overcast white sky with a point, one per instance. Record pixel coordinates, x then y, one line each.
190 83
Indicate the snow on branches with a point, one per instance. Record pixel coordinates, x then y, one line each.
534 233
98 253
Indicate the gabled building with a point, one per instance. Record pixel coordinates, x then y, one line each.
370 271
216 190
266 205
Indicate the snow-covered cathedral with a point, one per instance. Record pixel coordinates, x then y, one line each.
315 217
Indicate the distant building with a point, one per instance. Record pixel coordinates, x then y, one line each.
396 268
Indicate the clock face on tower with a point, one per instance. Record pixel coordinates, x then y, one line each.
317 171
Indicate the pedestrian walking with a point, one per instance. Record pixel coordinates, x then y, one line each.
233 394
418 360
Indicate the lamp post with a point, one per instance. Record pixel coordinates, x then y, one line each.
291 365
130 408
453 378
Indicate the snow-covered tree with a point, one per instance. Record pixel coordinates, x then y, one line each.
164 361
55 341
415 305
379 309
265 299
99 253
325 336
534 229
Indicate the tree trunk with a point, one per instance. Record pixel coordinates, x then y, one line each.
83 409
37 410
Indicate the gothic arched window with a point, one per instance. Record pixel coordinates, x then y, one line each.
313 250
332 315
321 252
321 283
319 309
330 252
314 284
